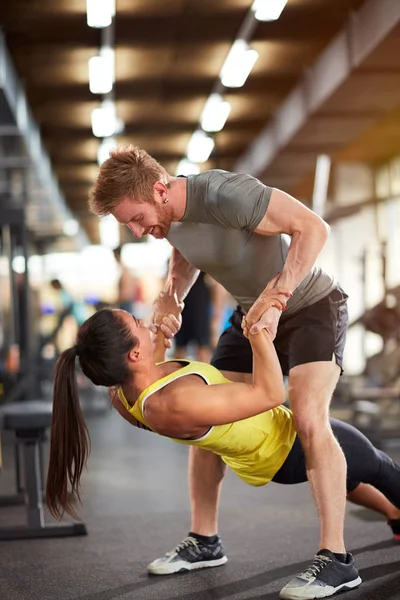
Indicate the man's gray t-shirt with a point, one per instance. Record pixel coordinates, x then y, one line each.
216 236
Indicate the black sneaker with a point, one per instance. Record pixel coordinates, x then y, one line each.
188 555
324 577
394 524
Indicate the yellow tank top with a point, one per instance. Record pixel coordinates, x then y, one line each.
254 448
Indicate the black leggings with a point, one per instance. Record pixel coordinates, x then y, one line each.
365 463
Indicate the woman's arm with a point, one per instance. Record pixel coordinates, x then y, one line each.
187 405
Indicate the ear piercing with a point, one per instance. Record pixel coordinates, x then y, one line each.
165 200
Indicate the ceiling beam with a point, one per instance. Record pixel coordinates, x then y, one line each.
362 33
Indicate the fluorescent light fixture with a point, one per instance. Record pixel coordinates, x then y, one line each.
104 119
199 147
238 64
268 10
102 71
71 227
185 167
105 147
100 12
215 113
109 232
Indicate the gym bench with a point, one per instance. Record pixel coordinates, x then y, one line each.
29 421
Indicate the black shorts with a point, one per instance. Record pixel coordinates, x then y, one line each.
195 331
312 334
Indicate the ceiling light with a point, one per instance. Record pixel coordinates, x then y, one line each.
104 120
238 64
100 12
215 113
103 152
268 10
199 147
109 232
186 167
102 71
70 227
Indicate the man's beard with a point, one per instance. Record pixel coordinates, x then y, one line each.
164 223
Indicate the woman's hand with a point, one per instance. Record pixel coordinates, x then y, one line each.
267 309
166 315
169 326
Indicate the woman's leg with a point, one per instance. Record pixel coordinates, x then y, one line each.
368 496
367 464
293 469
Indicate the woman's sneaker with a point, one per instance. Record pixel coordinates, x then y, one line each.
324 577
190 554
394 524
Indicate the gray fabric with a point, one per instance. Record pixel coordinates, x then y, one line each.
215 235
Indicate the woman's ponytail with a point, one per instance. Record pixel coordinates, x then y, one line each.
69 440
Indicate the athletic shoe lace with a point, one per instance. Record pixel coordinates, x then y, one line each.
186 543
320 561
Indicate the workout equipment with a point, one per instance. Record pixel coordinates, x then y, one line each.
29 421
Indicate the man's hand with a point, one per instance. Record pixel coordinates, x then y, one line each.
167 313
267 309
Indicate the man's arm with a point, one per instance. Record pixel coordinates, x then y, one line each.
308 234
183 273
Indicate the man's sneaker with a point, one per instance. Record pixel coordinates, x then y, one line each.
190 554
394 524
324 577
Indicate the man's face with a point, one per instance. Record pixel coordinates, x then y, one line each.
143 218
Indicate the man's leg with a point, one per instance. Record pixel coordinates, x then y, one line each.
202 548
311 387
206 472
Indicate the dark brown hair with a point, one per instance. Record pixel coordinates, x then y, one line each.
130 172
103 343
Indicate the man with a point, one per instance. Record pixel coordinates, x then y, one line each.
232 227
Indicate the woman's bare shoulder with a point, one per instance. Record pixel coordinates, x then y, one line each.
163 409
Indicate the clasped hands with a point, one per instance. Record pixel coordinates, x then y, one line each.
264 314
166 315
266 310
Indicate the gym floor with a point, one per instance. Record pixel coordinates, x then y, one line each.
135 505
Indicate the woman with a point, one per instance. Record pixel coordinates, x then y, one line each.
193 403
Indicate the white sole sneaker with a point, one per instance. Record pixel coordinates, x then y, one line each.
160 567
323 592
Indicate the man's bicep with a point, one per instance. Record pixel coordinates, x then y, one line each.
285 214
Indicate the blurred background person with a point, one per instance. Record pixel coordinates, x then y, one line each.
129 290
194 337
68 306
208 307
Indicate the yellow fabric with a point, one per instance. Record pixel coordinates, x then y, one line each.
254 448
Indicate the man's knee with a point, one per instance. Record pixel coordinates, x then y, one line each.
310 425
204 461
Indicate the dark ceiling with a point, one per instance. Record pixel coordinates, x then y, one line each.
168 57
